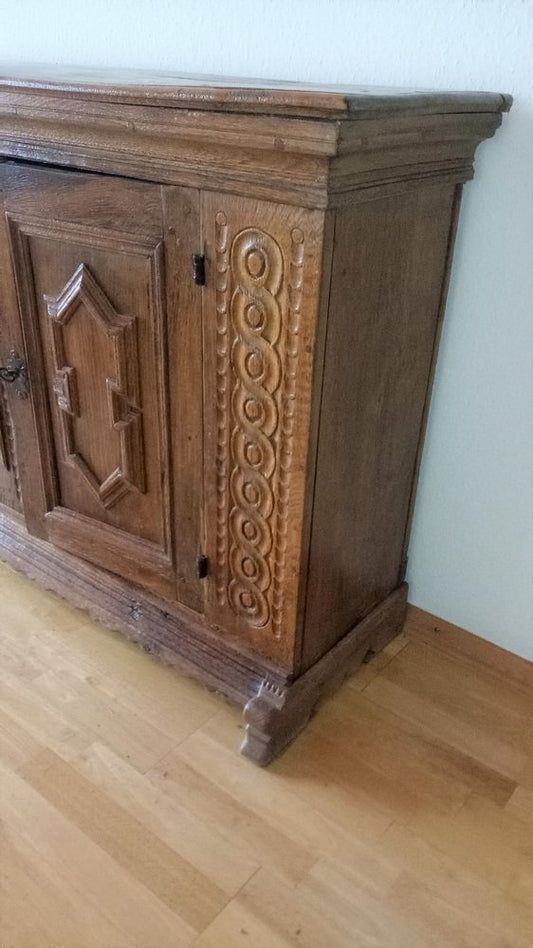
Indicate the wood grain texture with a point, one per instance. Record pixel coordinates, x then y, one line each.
305 147
129 820
98 366
161 627
260 326
386 285
15 410
276 715
118 333
10 491
184 414
233 94
442 634
277 706
433 367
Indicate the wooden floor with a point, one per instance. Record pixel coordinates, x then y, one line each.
402 818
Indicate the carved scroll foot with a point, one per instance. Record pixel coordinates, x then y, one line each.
273 719
277 714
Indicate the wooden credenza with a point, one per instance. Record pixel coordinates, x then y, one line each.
220 310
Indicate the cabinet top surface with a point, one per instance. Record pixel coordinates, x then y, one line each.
143 87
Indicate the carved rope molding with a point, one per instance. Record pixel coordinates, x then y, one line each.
257 273
222 401
255 427
7 437
287 424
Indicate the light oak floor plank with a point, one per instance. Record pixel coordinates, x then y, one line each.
401 818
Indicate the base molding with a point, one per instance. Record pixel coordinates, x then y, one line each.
172 632
276 706
275 716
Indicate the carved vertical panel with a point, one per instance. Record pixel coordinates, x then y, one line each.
257 296
260 309
257 271
250 278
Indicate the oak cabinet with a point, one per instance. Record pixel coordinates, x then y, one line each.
220 317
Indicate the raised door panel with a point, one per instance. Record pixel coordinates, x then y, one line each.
88 256
260 313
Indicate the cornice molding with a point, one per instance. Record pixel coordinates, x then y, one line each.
312 162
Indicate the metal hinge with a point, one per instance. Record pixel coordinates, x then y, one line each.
202 566
198 268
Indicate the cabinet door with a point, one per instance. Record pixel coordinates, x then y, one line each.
260 333
88 258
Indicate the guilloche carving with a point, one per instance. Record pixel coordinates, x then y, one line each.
257 275
258 309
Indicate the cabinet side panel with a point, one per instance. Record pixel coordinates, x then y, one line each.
389 266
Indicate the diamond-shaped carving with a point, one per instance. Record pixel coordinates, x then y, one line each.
83 294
